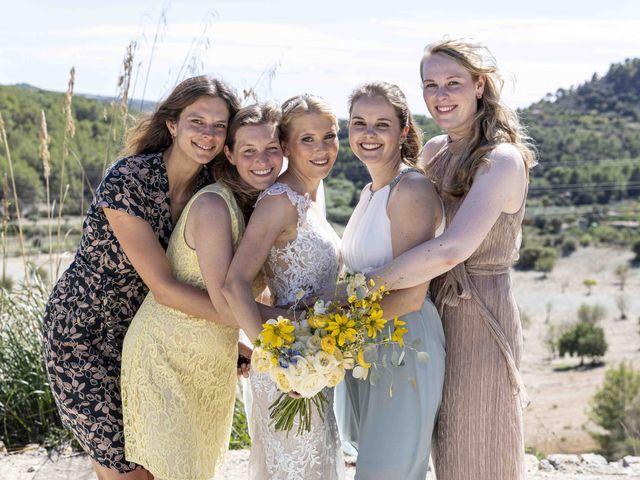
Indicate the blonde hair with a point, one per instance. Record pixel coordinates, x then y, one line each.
150 134
410 148
225 171
494 122
299 105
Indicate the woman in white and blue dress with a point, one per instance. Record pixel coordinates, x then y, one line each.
390 423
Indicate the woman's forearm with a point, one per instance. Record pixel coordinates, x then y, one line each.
190 300
417 265
239 296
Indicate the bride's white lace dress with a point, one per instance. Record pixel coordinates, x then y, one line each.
310 263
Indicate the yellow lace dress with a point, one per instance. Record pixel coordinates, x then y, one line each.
179 374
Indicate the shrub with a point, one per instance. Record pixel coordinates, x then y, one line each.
591 313
538 258
546 261
583 340
568 247
585 240
616 408
636 249
589 283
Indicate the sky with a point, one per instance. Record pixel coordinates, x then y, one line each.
282 47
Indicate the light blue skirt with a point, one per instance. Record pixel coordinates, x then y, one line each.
390 423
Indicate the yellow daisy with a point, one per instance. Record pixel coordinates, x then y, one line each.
341 326
278 333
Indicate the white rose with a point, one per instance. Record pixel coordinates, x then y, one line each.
309 385
324 362
314 343
335 377
261 360
280 376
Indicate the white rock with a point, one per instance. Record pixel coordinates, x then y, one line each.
630 461
565 462
531 462
593 459
545 466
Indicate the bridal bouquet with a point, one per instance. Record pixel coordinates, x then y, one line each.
313 350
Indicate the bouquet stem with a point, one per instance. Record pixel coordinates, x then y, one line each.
285 410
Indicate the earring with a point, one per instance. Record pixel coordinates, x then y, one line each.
479 96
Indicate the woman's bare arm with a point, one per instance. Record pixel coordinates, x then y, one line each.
496 189
268 223
140 244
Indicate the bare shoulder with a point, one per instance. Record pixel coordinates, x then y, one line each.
505 159
209 204
433 146
276 210
412 188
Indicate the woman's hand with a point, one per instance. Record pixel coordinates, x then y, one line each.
244 359
294 394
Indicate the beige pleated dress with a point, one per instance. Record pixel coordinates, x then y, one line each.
479 433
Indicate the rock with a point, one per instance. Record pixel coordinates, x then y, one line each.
594 463
545 466
531 462
630 461
565 462
3 449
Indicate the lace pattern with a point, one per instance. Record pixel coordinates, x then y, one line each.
310 262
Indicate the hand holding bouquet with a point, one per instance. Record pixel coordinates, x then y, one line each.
312 351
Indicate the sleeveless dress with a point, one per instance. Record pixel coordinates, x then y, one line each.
391 432
479 432
179 373
309 263
93 302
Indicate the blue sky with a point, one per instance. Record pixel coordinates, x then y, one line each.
325 47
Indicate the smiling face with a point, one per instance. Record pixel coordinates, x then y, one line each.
312 145
201 129
451 93
257 154
375 134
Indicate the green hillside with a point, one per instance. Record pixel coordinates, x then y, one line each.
588 139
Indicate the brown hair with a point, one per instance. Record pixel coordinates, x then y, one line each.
225 171
301 105
410 148
151 135
494 122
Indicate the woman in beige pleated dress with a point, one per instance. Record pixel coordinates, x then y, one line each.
480 169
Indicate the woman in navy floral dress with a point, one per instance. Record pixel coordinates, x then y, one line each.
121 257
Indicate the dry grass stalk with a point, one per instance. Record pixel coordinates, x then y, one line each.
193 64
69 132
7 150
45 156
160 30
5 226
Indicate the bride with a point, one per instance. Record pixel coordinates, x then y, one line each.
289 235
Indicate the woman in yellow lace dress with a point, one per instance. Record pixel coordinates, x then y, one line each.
179 372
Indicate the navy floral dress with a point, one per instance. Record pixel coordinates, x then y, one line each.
93 302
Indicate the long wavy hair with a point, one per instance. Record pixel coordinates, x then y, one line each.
494 122
150 134
225 171
410 148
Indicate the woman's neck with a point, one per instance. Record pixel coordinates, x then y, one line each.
181 173
301 183
383 173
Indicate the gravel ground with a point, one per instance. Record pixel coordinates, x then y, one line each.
37 464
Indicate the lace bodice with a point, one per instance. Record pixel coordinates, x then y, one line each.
311 261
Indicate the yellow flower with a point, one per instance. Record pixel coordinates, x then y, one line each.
328 344
335 377
318 321
341 326
352 299
278 333
374 323
398 331
372 283
361 361
282 380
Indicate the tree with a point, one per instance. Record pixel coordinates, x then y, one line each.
589 283
615 407
621 303
583 340
636 250
622 274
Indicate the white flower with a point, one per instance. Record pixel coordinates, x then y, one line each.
309 385
360 372
423 357
314 343
319 308
324 362
335 377
348 362
280 376
261 360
